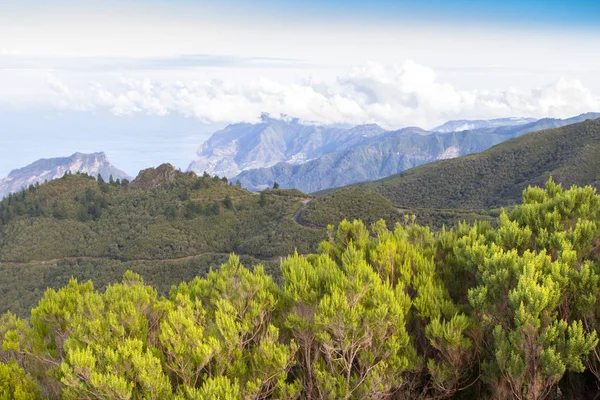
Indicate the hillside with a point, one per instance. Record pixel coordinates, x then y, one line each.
166 224
498 176
170 226
387 154
163 213
48 169
353 202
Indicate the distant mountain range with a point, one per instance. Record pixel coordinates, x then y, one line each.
465 125
310 157
243 146
498 176
53 168
387 153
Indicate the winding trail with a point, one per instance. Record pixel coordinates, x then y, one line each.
55 261
138 260
298 216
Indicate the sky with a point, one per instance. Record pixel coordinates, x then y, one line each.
147 82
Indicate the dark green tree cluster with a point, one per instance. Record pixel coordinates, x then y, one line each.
194 209
21 203
509 312
104 186
28 202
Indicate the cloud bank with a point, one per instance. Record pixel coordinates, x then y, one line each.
391 95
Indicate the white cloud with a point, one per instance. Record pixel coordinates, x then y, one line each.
394 96
9 52
65 97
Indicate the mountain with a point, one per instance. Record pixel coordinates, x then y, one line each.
389 153
52 168
497 177
243 146
379 157
466 125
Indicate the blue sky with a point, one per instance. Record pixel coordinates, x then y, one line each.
120 68
554 13
580 14
536 12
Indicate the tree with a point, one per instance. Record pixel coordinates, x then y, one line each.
262 201
241 305
531 347
476 311
227 203
102 184
357 326
275 185
215 209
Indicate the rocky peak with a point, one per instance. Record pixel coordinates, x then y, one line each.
162 176
53 168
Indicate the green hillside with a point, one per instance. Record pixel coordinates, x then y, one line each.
162 214
498 176
166 225
357 203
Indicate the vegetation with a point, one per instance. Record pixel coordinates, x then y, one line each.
22 286
472 312
497 177
166 225
162 214
350 203
356 203
287 193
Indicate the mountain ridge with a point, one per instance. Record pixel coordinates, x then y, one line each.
389 153
243 146
497 176
464 124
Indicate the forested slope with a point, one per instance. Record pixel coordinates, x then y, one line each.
498 176
166 225
162 214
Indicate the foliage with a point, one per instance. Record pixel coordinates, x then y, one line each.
23 286
368 206
162 214
15 384
498 311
